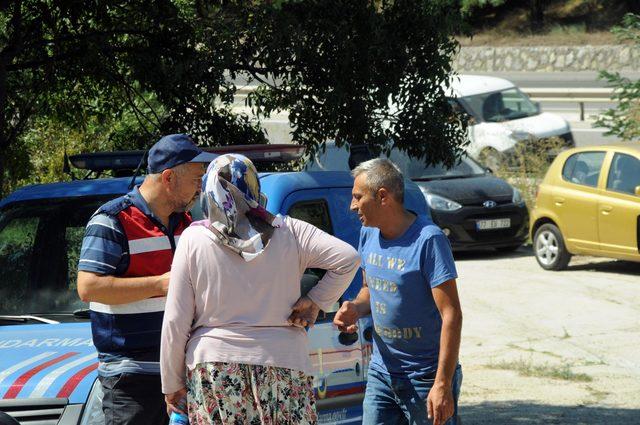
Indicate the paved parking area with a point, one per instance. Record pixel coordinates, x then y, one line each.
549 347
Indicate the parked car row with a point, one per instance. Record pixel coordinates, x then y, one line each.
587 204
474 208
589 200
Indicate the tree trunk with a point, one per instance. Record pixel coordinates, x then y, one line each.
7 54
4 126
536 17
2 194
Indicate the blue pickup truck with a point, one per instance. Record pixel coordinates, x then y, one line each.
47 359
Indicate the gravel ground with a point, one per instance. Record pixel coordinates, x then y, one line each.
544 347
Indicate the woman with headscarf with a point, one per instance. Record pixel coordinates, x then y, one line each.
233 337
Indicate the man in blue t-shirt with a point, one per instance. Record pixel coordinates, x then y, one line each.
409 288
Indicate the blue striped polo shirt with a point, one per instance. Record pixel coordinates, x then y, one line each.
105 251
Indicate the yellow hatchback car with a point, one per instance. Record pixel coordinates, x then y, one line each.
589 204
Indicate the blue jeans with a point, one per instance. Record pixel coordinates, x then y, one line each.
389 400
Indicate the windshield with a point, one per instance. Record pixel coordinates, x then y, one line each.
466 167
39 250
500 106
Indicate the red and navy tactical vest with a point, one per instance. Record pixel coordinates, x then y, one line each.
133 330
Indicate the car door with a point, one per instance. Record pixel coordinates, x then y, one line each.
336 358
575 200
39 250
619 208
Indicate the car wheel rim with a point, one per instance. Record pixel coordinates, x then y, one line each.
547 248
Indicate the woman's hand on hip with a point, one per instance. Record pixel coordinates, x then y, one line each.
176 402
303 313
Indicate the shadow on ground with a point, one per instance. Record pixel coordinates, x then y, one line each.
492 254
578 263
613 266
524 413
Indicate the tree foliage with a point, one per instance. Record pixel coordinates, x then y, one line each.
117 74
470 5
354 71
124 71
623 120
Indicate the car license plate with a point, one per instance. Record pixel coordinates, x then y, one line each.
499 223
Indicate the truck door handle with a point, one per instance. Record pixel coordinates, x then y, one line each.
347 338
606 209
559 200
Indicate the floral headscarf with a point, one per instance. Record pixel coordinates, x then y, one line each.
230 203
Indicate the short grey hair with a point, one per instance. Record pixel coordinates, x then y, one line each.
381 173
179 169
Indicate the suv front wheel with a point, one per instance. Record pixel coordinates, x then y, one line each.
549 248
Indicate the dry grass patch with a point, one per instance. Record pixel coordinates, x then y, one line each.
527 368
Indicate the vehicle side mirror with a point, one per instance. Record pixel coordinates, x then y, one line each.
538 107
358 154
489 170
637 191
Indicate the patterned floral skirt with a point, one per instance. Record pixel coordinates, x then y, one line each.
239 394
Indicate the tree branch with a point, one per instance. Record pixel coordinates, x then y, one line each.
131 88
84 36
58 58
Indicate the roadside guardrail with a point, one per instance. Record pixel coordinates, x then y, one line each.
537 94
570 95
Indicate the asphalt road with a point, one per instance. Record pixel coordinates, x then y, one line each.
543 347
586 135
582 79
584 132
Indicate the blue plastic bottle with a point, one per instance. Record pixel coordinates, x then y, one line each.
178 419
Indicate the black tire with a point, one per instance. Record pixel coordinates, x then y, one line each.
510 248
549 248
5 419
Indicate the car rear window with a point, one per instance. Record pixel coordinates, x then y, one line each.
583 168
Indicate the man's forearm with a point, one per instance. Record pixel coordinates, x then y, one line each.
449 346
117 290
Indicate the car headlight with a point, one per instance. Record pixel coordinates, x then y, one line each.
440 203
92 413
517 197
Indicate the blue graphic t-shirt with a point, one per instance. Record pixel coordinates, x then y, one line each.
400 274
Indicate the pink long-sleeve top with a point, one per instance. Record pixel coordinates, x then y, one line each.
221 308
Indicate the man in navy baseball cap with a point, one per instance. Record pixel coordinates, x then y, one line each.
124 273
173 150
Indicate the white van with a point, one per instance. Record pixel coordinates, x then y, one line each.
502 116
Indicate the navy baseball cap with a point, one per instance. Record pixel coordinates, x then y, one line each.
173 150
